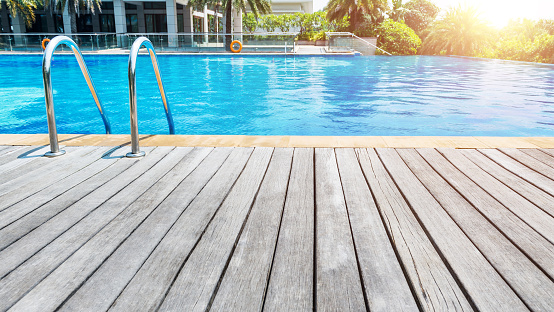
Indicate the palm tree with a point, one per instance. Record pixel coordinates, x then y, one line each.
398 11
74 7
256 6
459 32
24 7
355 10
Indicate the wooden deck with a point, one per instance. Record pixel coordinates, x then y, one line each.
277 229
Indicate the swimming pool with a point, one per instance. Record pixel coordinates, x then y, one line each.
278 95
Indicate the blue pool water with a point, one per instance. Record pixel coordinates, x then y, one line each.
277 95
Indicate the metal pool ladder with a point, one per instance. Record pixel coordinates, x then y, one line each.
143 41
46 66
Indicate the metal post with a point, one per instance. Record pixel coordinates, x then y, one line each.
143 41
47 79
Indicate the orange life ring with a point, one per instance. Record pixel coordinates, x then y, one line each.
233 49
43 43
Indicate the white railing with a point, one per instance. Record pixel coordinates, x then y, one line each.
163 42
346 41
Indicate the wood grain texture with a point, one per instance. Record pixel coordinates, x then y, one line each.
518 231
338 281
485 286
30 203
244 284
386 286
530 161
540 156
494 172
291 285
103 287
32 220
530 283
51 292
150 285
193 288
36 268
431 281
32 182
19 156
535 178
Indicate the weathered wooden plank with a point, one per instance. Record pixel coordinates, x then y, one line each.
45 195
518 231
148 287
520 170
29 222
530 192
530 161
338 284
529 282
102 288
244 284
62 282
291 280
195 285
549 151
33 270
5 148
386 287
484 285
26 165
431 281
539 155
19 153
35 181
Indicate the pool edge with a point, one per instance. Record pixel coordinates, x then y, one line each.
284 141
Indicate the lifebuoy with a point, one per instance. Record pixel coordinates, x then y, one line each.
237 50
45 40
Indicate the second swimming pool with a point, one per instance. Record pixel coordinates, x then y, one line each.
277 95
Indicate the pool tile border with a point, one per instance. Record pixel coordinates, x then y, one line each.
283 141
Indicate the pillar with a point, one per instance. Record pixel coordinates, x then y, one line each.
66 20
140 17
171 11
120 23
237 20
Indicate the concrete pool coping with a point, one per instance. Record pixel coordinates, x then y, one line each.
284 141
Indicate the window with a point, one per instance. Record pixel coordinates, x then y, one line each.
84 23
107 5
132 23
156 23
39 25
58 23
107 23
180 23
129 6
198 24
154 5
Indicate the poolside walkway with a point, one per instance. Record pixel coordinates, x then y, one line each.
263 228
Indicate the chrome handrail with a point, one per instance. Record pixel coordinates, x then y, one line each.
46 77
139 42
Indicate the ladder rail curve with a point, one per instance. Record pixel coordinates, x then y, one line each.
48 95
144 42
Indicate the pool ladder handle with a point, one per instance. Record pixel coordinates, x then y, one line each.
47 79
139 42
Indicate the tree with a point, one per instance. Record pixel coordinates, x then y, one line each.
355 10
398 11
256 6
24 7
397 38
73 7
249 22
459 32
420 15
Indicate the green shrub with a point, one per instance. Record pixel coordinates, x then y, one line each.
397 38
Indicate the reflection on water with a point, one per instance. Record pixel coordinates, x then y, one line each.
277 95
